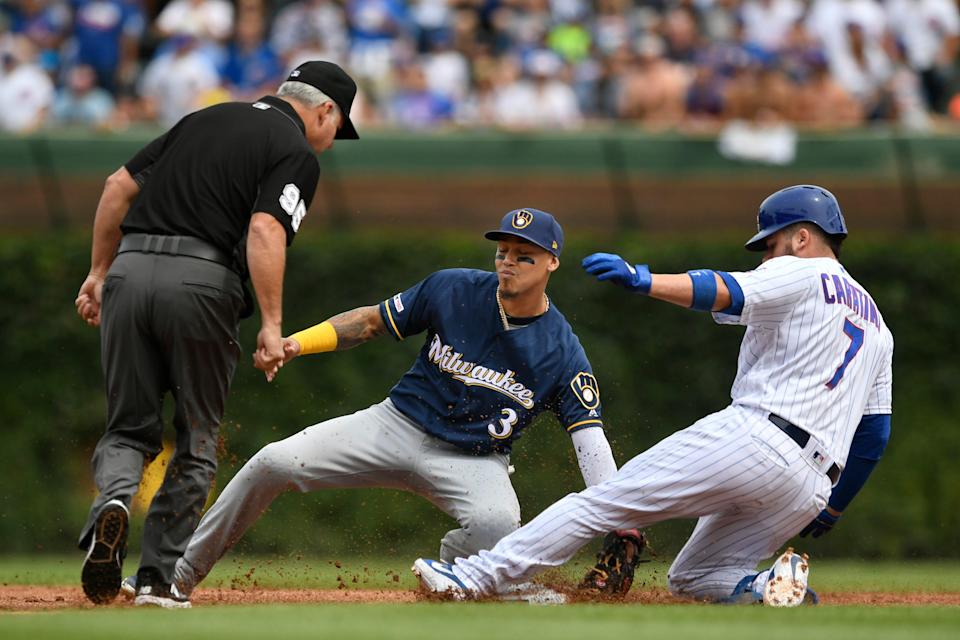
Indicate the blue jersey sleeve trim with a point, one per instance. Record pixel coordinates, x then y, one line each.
584 424
704 289
387 316
868 445
736 294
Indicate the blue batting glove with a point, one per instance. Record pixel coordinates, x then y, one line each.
610 266
820 525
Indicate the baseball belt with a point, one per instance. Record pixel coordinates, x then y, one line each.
801 437
174 246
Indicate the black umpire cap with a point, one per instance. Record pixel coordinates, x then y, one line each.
335 83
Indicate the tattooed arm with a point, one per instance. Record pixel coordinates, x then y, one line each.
343 331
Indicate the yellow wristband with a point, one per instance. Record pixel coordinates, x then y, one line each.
317 339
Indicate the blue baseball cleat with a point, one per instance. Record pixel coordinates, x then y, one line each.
438 577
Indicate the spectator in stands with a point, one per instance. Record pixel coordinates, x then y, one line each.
929 31
377 30
766 23
46 23
310 30
207 21
175 83
106 35
26 91
864 70
81 102
541 100
821 103
654 89
252 68
447 70
414 105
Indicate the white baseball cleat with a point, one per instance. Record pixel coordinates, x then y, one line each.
787 581
438 577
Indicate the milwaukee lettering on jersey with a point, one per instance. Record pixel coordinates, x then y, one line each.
837 290
475 375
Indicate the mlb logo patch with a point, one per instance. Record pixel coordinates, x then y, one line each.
818 457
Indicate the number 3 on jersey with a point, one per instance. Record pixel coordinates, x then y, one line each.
505 427
855 334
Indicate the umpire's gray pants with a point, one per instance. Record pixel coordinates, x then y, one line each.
168 323
375 447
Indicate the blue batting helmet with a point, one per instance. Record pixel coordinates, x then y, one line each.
800 203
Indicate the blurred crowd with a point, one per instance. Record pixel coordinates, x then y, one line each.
689 65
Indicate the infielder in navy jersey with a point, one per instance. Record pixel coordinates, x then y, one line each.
497 353
808 421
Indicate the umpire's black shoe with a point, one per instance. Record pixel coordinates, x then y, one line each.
151 591
103 566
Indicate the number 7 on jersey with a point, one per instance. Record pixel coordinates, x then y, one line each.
855 334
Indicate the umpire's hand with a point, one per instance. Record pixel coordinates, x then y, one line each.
88 300
269 354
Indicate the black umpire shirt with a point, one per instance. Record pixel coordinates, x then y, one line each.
218 166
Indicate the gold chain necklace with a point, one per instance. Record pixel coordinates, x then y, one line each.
503 314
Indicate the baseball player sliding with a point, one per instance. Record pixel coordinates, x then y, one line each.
497 353
811 410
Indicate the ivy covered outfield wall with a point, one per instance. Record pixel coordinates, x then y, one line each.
660 368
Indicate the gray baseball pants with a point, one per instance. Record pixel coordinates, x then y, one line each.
375 447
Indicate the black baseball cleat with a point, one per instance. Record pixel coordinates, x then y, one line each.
103 566
151 591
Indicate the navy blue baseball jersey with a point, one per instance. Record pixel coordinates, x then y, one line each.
475 384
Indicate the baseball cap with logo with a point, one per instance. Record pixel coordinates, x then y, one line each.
533 225
334 82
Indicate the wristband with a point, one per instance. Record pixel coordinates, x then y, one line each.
317 339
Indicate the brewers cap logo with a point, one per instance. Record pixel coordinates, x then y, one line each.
521 219
587 390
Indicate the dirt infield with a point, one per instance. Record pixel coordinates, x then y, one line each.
40 598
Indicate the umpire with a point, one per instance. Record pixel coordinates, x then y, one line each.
166 286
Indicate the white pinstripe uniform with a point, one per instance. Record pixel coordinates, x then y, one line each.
817 353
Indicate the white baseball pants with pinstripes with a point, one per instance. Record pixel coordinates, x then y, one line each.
750 485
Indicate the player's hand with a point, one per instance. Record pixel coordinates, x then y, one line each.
820 525
610 266
269 356
88 300
291 349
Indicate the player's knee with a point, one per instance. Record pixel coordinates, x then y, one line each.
490 525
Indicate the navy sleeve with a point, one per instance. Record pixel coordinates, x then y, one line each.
868 445
409 312
578 398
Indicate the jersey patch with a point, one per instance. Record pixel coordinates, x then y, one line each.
398 303
587 390
263 106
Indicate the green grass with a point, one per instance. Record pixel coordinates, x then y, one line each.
379 573
489 621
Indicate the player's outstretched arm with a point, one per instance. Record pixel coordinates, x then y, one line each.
702 289
341 332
